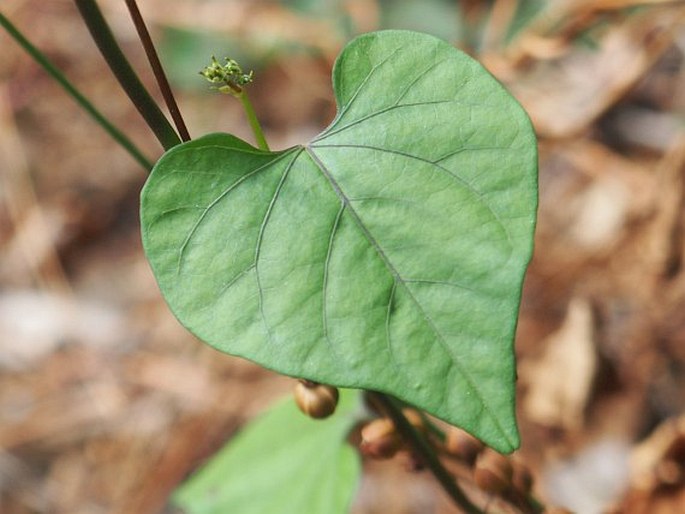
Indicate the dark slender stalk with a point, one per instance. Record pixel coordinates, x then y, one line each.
85 104
527 504
157 69
104 39
423 450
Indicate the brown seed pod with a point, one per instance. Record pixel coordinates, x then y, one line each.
317 401
493 472
380 439
414 463
415 419
463 445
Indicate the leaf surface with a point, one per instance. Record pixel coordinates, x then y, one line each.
386 254
283 462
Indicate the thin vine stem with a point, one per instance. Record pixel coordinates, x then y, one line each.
254 121
72 91
157 69
423 450
104 39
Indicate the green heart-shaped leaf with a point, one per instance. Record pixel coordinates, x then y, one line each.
282 462
386 254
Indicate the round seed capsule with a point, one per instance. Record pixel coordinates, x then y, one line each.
493 472
380 439
463 445
317 401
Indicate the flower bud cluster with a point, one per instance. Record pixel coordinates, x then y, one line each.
228 77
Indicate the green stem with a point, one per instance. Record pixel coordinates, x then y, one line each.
85 104
421 447
536 506
104 39
254 122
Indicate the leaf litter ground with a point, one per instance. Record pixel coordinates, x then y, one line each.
114 420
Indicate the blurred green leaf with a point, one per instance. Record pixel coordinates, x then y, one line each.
281 463
526 11
316 7
438 17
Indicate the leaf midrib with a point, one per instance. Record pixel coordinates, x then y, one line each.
472 190
455 361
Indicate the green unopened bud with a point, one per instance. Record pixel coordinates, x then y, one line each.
228 77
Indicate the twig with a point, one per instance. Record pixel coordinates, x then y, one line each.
157 69
419 445
104 39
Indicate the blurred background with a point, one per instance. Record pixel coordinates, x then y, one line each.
107 403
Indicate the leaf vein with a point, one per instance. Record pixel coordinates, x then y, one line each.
361 85
393 107
326 269
454 359
479 196
458 364
210 206
388 336
419 76
260 239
